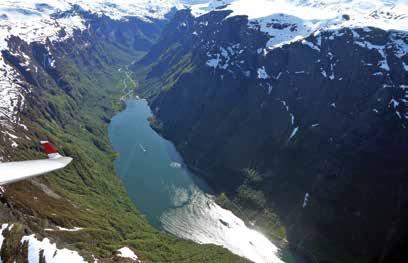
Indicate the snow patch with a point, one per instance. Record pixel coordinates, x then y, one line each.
126 252
270 88
221 58
405 66
381 49
75 229
295 130
394 103
311 45
262 73
213 63
305 200
285 105
323 72
50 251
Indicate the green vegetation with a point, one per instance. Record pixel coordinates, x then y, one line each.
163 77
89 194
251 205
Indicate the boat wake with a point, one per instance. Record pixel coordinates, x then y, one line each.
142 148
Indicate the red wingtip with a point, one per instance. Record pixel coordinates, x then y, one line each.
48 147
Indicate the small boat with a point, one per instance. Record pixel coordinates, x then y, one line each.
142 148
175 165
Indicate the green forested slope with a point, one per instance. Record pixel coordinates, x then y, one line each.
71 104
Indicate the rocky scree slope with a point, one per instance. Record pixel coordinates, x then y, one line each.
307 135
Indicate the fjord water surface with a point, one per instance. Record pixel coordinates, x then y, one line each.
172 198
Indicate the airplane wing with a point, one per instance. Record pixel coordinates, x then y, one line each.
16 171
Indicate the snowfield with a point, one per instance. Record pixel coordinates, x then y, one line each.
290 21
34 20
286 21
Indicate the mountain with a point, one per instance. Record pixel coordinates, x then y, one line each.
296 111
63 70
56 21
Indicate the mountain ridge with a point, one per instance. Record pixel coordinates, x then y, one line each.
72 89
304 112
302 132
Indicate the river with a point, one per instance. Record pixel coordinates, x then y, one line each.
172 198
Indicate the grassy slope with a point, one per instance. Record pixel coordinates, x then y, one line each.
88 193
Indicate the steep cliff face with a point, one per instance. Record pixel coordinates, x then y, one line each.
312 131
67 90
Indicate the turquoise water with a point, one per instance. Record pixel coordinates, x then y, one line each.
146 162
172 198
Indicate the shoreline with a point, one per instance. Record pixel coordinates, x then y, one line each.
280 243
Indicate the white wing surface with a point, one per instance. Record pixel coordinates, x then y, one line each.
16 171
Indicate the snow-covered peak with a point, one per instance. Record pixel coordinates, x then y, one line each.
34 20
118 9
39 20
290 20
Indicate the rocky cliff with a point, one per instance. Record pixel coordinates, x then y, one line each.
308 138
